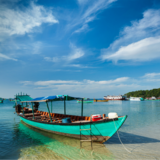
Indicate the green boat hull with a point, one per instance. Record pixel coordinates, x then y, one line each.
1 101
101 130
85 101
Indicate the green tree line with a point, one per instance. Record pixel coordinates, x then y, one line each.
144 93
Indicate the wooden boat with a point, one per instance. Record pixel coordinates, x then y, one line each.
78 127
100 100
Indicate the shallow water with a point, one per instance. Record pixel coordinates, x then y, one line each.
140 134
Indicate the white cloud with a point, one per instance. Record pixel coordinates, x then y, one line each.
118 80
152 77
83 28
52 82
74 65
26 82
89 11
4 57
75 54
53 59
95 7
21 21
78 66
37 47
94 88
82 2
135 40
73 82
144 50
84 87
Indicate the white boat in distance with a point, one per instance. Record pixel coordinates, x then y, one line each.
136 99
120 97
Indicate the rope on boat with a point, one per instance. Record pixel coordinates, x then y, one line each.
120 138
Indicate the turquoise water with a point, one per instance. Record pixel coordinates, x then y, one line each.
140 133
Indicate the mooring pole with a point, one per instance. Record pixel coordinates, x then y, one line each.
23 109
51 106
82 108
64 106
32 110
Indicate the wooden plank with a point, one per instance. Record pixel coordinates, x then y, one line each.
30 114
81 121
46 121
38 117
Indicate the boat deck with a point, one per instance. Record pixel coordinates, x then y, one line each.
56 117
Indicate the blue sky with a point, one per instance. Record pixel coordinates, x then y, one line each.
87 48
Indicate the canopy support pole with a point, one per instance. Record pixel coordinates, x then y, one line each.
23 109
49 112
64 106
16 101
51 106
32 110
82 108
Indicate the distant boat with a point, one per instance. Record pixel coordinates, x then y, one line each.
85 101
100 100
152 98
87 128
136 99
1 100
13 100
120 97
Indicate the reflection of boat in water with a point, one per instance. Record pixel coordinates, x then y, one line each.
84 101
100 100
115 97
53 146
136 99
68 125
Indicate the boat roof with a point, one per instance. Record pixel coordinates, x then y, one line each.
52 98
23 97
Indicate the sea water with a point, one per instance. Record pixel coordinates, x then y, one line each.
138 138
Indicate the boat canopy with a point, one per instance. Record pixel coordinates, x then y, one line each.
51 98
23 98
26 98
